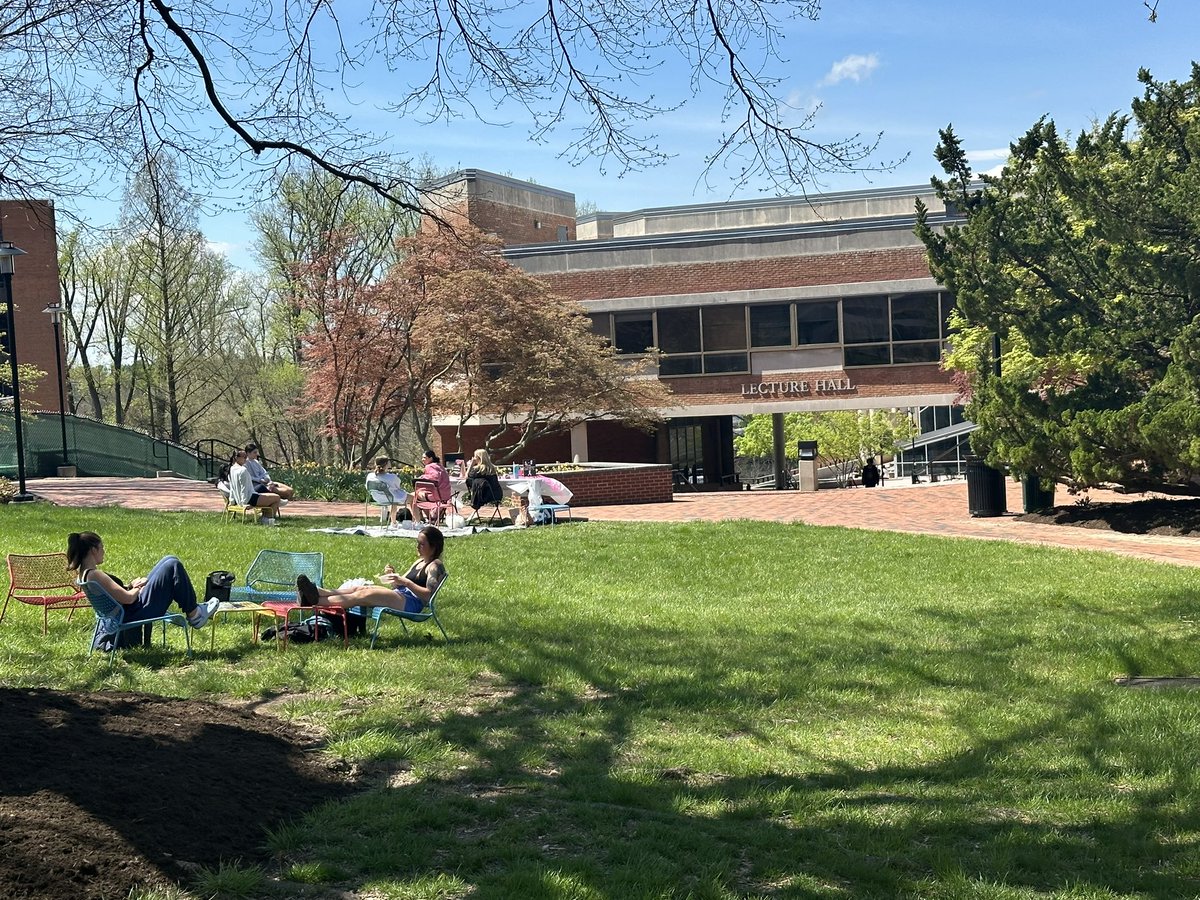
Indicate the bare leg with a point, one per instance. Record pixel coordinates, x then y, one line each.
366 595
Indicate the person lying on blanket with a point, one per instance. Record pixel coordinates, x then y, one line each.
414 588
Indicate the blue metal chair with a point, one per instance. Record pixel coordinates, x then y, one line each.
376 613
110 619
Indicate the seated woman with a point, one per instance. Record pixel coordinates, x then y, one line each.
145 598
410 591
241 488
435 472
383 477
483 482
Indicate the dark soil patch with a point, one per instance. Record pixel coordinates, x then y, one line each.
100 793
1155 516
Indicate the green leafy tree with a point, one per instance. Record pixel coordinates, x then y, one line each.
845 438
1083 261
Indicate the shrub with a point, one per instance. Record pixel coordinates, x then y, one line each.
313 481
8 490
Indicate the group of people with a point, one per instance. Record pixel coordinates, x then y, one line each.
149 597
245 481
481 479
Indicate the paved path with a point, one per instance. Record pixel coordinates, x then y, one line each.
939 509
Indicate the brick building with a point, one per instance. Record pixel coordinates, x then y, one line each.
30 225
763 306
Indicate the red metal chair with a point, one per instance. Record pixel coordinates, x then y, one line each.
43 580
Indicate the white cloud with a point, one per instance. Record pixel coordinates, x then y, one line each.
854 67
224 248
976 156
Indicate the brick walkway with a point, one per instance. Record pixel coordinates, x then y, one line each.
939 509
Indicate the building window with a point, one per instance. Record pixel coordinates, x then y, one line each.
817 323
915 317
771 326
602 326
865 320
724 328
633 332
679 330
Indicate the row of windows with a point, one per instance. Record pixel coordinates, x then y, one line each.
874 330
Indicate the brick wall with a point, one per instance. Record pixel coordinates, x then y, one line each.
742 274
516 225
607 485
30 226
551 448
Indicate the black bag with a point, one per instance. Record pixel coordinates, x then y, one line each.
218 586
315 628
130 637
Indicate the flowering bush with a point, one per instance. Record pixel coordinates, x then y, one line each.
313 481
8 490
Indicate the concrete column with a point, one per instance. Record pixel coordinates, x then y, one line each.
579 443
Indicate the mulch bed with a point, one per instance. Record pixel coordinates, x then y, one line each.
1162 516
100 793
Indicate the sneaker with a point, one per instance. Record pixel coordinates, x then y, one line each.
306 591
267 521
204 612
283 503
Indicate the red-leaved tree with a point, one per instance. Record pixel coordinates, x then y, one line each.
454 330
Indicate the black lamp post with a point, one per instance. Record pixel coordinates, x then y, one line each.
8 253
54 311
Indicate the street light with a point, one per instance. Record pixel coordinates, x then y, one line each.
8 253
54 310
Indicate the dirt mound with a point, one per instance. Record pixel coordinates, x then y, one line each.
103 792
1155 516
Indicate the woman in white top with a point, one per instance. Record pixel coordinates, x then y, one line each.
389 481
242 492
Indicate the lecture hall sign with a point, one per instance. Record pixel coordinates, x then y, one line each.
821 386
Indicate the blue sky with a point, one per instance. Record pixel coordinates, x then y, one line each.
903 68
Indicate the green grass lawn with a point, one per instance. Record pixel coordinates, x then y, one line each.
708 710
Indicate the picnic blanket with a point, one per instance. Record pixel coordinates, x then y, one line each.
382 531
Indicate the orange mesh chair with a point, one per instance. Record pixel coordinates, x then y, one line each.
43 580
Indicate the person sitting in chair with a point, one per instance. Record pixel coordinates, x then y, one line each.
435 472
242 492
390 481
263 482
483 482
145 598
410 591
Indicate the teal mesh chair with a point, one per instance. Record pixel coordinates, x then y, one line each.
271 583
376 614
110 619
272 575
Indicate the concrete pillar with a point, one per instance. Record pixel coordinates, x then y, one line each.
579 442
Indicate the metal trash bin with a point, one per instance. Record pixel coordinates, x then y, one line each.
985 489
1036 498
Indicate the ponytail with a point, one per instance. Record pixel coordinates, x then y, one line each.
79 545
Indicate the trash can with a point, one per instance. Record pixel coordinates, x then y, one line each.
1035 497
219 585
985 489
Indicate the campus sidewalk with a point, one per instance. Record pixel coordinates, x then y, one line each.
939 509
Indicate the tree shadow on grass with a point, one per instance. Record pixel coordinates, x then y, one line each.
94 786
555 803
